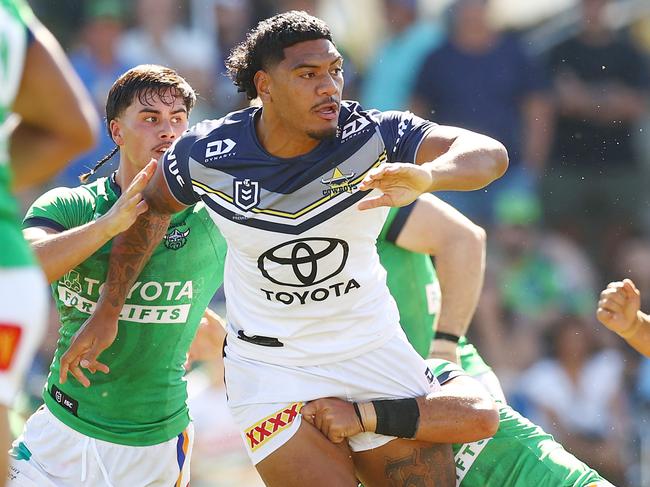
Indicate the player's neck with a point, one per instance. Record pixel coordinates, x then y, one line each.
125 174
279 140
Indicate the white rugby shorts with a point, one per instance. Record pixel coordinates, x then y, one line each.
265 399
24 305
51 454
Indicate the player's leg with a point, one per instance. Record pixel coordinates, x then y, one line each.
308 458
51 454
23 310
406 462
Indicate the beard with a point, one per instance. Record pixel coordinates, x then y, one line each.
325 134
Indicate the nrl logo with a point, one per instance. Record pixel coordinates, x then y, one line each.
175 239
247 194
338 183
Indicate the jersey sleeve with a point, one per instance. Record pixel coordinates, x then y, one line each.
61 209
176 169
444 371
402 133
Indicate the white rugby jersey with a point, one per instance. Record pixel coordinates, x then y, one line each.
303 281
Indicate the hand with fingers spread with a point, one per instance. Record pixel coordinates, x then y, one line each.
130 204
94 336
400 184
335 418
619 306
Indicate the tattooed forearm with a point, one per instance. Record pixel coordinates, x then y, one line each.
425 467
131 251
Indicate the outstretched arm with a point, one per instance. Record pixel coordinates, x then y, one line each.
619 310
458 245
461 412
131 251
449 158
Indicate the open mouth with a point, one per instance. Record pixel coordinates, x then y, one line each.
329 111
160 149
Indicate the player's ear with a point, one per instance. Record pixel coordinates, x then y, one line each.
116 132
263 84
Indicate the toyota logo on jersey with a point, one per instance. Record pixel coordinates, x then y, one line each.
304 262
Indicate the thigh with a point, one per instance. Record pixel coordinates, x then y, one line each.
406 463
308 459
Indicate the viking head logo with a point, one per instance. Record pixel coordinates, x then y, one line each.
176 239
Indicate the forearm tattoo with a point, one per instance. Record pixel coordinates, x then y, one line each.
424 467
131 251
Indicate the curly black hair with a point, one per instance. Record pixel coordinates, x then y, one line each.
265 44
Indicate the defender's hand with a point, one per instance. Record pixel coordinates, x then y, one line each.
94 336
335 418
130 204
619 305
400 183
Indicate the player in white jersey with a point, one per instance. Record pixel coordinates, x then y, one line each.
55 123
308 308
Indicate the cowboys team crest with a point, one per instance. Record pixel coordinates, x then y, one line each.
246 194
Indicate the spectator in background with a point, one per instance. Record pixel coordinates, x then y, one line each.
159 37
390 76
577 396
483 80
534 277
594 184
95 60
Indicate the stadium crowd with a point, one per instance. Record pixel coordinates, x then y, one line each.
565 88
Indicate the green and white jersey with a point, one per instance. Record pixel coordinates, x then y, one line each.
520 454
143 399
413 282
14 40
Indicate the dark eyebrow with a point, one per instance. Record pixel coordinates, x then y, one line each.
302 65
157 112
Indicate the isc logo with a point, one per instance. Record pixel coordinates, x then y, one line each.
219 147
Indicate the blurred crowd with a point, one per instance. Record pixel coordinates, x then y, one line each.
564 85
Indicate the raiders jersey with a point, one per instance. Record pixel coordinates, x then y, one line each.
303 281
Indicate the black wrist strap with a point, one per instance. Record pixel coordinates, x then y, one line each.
441 335
397 417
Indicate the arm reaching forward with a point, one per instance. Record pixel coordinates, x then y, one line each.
131 251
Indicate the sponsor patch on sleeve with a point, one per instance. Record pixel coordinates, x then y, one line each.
270 426
9 341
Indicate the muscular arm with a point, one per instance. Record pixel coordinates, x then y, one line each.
437 229
458 159
59 252
57 118
461 412
132 248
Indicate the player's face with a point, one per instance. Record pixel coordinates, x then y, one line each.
149 126
305 88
